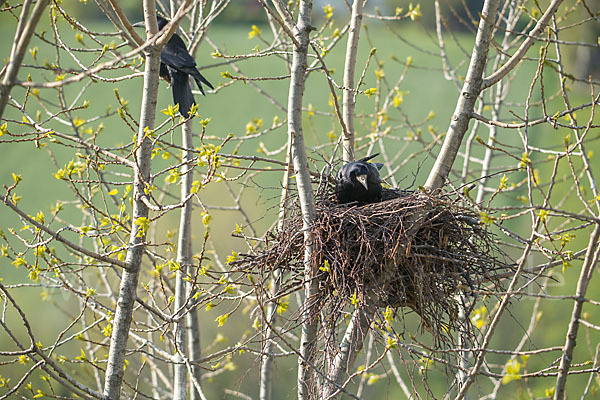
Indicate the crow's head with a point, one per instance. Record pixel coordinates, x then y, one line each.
161 22
355 172
359 181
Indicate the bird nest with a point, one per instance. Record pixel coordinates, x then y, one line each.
410 250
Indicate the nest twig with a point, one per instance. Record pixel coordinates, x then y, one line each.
410 250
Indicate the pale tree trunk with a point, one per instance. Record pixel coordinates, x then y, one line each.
468 98
25 29
351 345
266 367
591 258
193 327
359 325
127 290
357 329
309 314
475 84
349 96
184 258
194 350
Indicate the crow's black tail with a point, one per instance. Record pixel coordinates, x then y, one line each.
367 158
182 92
200 80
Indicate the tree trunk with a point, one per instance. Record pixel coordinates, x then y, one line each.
466 102
349 96
129 279
184 259
309 315
25 29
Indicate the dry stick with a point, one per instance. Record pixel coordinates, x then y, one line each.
21 41
127 290
591 379
190 348
266 367
487 160
309 314
591 257
126 24
348 96
573 120
49 365
533 322
158 40
407 392
474 84
460 119
449 72
285 23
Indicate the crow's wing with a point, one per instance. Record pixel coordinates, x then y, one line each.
176 55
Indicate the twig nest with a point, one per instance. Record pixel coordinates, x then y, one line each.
412 249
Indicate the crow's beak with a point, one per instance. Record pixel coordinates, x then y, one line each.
363 180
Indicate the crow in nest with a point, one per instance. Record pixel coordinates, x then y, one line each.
176 66
359 181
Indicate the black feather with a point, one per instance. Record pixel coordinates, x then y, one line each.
177 65
349 187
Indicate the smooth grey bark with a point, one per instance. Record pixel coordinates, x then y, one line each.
475 83
531 38
193 327
194 352
353 340
349 96
309 314
25 29
129 279
497 97
266 367
351 345
466 102
184 258
591 258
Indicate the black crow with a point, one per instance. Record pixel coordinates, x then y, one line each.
359 181
176 66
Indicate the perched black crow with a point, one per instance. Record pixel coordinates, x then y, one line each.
176 66
359 181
